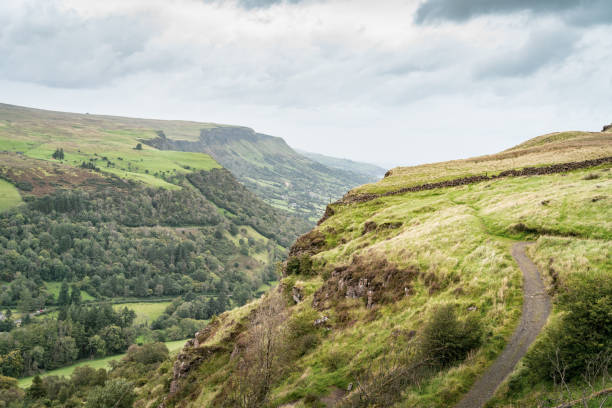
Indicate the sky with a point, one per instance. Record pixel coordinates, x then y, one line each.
392 82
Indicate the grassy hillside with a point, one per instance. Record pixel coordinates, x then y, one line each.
543 150
108 143
9 195
367 169
270 168
404 300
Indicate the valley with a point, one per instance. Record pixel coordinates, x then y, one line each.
120 238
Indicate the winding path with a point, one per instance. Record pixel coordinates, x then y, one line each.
536 308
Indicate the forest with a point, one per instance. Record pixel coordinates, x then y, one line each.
192 246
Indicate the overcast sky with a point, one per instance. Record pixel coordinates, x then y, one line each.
391 82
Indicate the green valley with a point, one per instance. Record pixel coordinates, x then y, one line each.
106 242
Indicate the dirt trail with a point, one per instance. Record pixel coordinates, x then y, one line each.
536 308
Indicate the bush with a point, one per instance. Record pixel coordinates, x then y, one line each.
293 265
116 393
446 339
301 265
148 353
582 332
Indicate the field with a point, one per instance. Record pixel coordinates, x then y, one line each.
108 143
9 196
173 346
54 289
146 312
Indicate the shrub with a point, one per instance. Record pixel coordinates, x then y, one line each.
301 265
148 353
293 265
582 332
446 339
116 393
24 185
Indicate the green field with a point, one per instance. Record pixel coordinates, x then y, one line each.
96 363
54 289
108 142
9 195
146 312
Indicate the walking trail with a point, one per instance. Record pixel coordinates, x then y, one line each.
536 308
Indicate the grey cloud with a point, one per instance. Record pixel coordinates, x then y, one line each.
542 49
573 11
255 4
57 48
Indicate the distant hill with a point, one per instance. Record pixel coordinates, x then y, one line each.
367 169
270 168
265 164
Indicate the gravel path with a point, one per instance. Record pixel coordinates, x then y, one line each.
536 308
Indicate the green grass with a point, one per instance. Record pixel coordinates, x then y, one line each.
86 137
25 382
54 289
9 195
146 312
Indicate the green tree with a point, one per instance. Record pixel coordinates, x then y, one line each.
11 364
58 154
37 389
64 297
75 295
96 346
116 393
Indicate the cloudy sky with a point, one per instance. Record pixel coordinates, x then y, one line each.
390 81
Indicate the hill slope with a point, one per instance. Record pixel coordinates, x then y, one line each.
265 164
270 168
367 169
405 299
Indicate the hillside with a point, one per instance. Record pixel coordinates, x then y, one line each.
367 169
89 219
270 168
410 288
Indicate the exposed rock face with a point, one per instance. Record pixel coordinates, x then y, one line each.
372 279
607 127
296 294
186 361
321 321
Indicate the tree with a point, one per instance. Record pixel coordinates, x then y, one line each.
96 346
63 298
58 154
11 364
37 389
259 364
139 146
75 295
